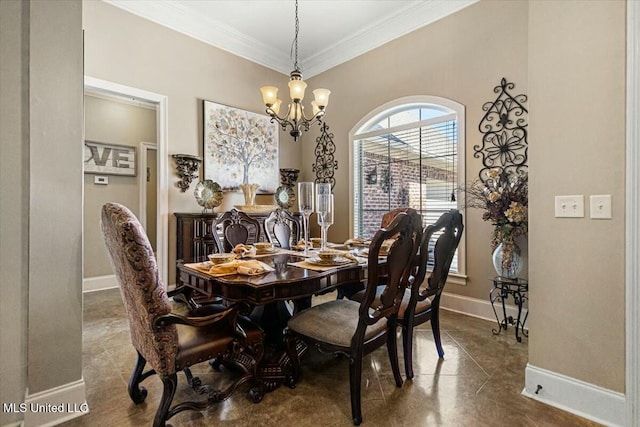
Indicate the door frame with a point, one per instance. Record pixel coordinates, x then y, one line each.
632 217
92 84
142 179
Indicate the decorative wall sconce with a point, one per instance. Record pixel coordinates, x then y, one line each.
187 169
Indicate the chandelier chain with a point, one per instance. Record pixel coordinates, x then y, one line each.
295 39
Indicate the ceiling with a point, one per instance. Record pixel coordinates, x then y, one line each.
331 31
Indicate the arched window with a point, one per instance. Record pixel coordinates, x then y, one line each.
409 152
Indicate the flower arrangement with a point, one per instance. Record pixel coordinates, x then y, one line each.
504 197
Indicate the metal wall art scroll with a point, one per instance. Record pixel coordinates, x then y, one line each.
504 129
326 163
187 169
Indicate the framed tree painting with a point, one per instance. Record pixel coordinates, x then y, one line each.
240 147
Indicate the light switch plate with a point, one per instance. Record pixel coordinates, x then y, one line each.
569 206
600 206
102 180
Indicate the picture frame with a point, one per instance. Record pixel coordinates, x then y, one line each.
109 159
239 147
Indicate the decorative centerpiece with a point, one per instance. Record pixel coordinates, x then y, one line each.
504 197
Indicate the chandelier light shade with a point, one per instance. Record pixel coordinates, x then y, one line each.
295 119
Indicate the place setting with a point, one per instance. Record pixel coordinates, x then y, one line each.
225 264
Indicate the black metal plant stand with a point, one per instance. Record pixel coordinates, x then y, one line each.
519 290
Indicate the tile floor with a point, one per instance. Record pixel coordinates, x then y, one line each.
478 383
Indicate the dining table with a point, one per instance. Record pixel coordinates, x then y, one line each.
287 286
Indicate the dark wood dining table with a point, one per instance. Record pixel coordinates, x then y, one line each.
268 294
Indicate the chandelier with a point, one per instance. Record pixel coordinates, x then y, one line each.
295 117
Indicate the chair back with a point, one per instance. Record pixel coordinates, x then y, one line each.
437 249
142 291
389 216
237 228
282 228
406 229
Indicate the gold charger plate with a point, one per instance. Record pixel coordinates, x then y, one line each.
265 251
325 263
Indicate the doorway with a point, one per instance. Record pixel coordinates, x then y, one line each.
148 185
106 88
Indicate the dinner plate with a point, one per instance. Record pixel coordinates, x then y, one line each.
336 261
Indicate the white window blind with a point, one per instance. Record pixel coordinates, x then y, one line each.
401 163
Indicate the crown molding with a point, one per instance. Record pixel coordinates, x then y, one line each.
174 15
383 31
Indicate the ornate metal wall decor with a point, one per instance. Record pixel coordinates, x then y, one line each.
504 129
187 169
325 161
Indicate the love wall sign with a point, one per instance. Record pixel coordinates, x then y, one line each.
109 159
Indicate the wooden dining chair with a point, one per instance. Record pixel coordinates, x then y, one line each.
282 228
421 302
437 249
170 342
237 228
355 329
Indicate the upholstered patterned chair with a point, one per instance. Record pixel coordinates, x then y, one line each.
282 228
170 342
355 329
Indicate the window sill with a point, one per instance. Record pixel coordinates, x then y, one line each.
457 279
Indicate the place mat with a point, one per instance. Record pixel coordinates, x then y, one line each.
246 268
315 267
311 266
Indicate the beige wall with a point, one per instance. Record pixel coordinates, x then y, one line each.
577 134
40 198
461 57
119 123
14 202
145 55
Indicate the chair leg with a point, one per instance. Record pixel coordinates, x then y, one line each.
407 346
392 349
138 394
355 383
435 327
170 383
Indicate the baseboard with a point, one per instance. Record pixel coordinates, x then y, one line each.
476 307
578 397
55 406
99 283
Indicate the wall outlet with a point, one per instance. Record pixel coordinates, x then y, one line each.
569 206
600 206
